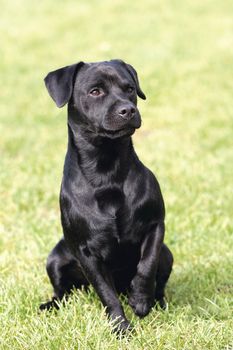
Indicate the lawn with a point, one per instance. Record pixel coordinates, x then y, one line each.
183 52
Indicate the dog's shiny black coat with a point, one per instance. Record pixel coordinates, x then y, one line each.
112 210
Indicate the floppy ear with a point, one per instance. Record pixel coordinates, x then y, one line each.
134 75
60 82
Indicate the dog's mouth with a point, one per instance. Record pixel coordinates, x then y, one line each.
113 134
114 128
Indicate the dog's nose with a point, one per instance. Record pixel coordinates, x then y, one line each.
126 111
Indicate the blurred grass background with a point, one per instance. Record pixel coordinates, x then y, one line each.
183 52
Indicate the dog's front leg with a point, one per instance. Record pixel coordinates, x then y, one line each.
100 277
142 294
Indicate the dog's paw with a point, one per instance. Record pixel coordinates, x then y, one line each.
46 306
121 326
49 305
161 303
141 304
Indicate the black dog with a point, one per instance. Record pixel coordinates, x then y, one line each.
112 210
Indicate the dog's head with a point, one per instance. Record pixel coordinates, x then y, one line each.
101 96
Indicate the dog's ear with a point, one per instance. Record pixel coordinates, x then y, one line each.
60 82
134 75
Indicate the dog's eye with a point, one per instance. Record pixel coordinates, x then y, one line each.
130 89
96 92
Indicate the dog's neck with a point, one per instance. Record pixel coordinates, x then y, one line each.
109 158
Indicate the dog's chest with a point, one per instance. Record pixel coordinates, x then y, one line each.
113 204
110 199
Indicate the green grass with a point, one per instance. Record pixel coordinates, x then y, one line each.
183 51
